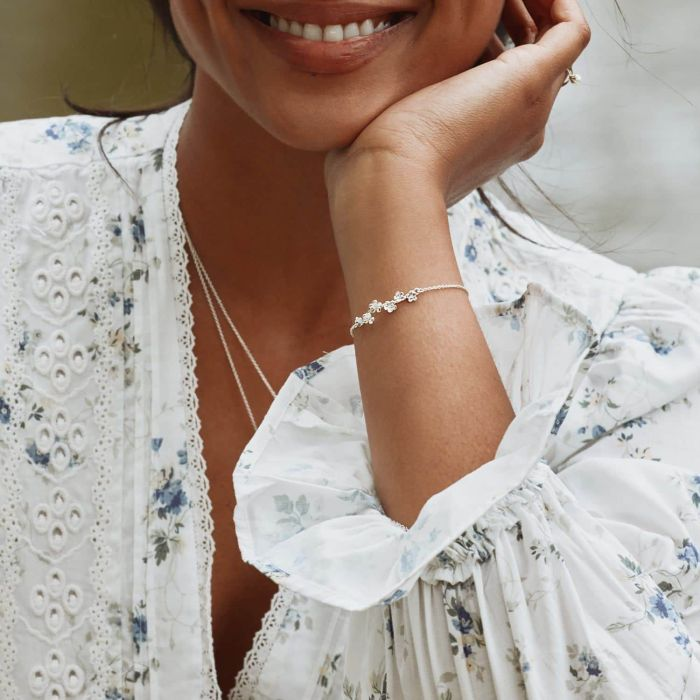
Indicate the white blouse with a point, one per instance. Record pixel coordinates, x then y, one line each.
566 567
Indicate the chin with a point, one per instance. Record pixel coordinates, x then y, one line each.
318 122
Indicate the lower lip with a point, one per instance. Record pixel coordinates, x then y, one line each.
330 57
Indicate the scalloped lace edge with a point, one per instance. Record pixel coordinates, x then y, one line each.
9 566
204 541
247 677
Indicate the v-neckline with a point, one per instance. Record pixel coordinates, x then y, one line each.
256 656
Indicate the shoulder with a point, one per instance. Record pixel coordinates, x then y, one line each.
485 225
75 139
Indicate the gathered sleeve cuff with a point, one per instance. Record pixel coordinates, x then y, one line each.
307 514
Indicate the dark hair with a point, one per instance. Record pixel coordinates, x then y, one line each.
164 19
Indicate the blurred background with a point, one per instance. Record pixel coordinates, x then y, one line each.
622 158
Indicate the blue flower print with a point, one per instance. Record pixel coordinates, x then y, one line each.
694 482
156 443
308 371
469 635
659 344
463 621
5 412
683 641
39 458
661 607
470 252
590 663
138 230
114 694
585 670
171 496
688 554
139 630
389 625
115 225
76 134
598 431
561 416
396 595
182 456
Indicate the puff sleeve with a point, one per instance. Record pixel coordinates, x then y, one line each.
505 586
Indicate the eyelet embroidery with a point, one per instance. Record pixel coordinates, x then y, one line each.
46 366
55 680
74 360
54 212
57 518
58 284
60 444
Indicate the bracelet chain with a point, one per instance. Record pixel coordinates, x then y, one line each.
390 305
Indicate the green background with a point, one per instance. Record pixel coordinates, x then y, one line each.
106 53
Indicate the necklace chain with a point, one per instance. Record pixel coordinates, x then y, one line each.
213 296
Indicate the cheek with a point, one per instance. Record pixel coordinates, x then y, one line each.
318 112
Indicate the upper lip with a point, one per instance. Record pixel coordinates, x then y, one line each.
325 12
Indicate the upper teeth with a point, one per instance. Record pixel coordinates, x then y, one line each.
331 32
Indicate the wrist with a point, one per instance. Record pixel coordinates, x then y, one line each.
372 192
391 230
372 174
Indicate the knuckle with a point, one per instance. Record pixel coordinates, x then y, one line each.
534 144
584 33
529 29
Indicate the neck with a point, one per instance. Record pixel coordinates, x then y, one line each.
257 211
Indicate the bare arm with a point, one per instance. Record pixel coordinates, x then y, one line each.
435 407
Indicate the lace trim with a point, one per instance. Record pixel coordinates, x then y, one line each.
13 371
256 657
99 650
199 481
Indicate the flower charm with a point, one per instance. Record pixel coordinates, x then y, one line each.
390 305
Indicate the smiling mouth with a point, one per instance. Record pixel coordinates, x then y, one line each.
331 32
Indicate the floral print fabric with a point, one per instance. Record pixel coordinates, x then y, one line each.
565 567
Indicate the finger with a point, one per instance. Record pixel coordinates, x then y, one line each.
518 21
539 10
547 13
567 37
494 48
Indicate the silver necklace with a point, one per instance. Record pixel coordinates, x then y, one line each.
213 296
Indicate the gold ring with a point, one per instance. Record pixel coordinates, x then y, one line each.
571 77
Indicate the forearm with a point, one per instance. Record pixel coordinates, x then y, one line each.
434 404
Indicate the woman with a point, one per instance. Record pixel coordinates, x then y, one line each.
528 525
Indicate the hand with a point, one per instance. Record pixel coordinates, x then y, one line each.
467 129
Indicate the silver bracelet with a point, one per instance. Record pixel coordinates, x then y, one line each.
390 305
